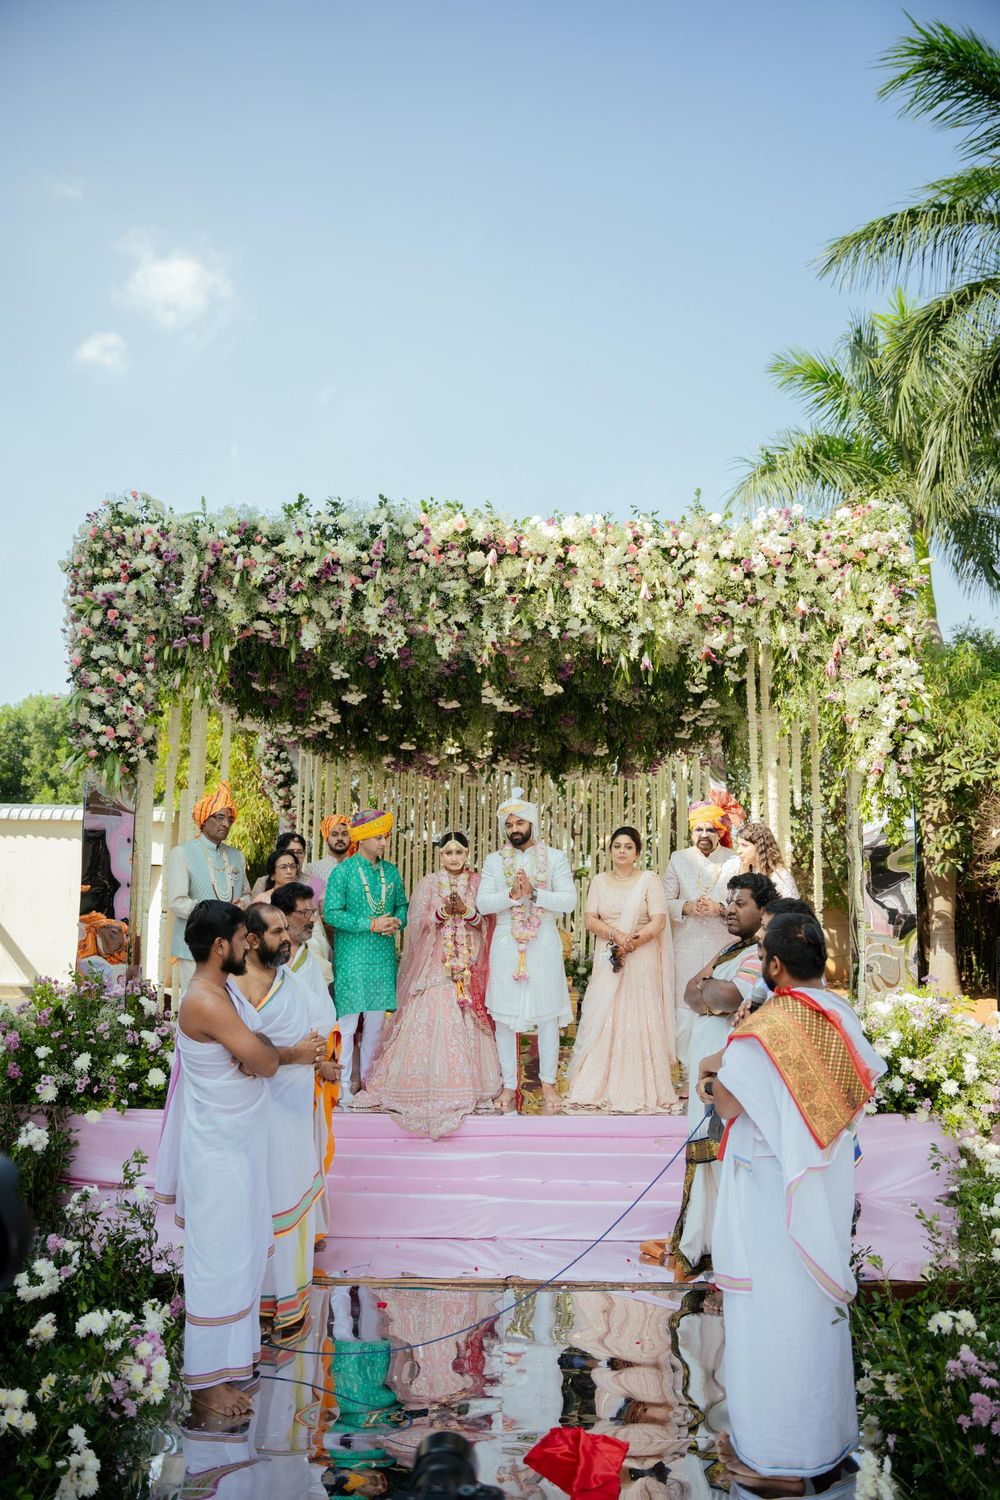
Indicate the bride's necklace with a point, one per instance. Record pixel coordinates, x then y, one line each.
377 909
624 879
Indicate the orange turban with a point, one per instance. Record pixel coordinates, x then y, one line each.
370 825
333 821
221 800
711 812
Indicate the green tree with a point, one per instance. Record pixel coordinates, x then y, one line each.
957 779
860 445
35 744
949 238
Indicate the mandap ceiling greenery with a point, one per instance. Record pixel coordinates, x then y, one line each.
432 637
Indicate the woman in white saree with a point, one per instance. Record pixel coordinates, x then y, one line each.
624 1050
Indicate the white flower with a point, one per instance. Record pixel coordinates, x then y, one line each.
940 1322
44 1330
156 1078
95 1322
82 1063
119 1060
139 1193
33 1138
874 1480
47 1386
949 1087
47 1092
93 1116
42 1053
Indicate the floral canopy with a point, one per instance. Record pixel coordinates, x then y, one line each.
437 637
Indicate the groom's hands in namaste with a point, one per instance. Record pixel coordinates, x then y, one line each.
521 889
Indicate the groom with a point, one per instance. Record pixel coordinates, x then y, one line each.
526 885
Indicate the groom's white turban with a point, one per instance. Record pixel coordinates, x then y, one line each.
519 808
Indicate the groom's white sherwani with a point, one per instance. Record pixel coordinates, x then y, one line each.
539 1000
543 993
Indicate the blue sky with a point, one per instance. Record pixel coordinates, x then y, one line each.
531 252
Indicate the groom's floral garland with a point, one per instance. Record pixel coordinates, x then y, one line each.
547 642
525 918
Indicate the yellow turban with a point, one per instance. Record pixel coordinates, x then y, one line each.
335 820
370 825
221 800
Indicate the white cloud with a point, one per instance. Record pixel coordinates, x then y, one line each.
177 290
106 351
67 187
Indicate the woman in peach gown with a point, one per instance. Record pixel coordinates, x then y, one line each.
438 1060
624 1050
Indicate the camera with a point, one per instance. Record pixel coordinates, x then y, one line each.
445 1467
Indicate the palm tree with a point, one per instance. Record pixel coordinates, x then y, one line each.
949 237
861 445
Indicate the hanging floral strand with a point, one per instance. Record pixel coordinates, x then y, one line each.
796 745
783 832
816 798
768 738
753 733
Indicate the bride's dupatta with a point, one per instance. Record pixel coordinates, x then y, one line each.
604 982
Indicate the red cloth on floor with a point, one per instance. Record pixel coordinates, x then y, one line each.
587 1465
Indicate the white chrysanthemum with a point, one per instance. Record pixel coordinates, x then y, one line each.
44 1331
156 1078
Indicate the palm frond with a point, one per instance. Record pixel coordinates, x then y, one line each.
971 545
936 237
819 380
966 418
915 353
814 469
953 77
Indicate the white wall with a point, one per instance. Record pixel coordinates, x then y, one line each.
40 863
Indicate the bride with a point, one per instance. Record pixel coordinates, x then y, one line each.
624 1049
438 1061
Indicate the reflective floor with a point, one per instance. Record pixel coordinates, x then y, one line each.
344 1410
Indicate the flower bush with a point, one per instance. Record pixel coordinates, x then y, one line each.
86 1044
493 640
941 1061
91 1347
929 1369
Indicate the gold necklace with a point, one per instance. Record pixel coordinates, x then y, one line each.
212 870
379 909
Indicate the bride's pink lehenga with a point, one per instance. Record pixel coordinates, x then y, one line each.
437 1061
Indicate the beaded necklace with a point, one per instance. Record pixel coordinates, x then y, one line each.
213 870
377 909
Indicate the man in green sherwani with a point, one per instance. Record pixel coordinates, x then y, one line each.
366 906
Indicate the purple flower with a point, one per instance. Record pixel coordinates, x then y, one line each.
54 1242
65 1272
13 1071
12 1041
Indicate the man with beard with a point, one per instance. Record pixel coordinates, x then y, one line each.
213 1140
295 1181
695 885
713 996
299 906
526 885
336 831
791 1083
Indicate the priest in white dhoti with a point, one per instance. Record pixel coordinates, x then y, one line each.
289 1164
205 868
526 885
208 1166
712 998
695 883
298 903
791 1082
